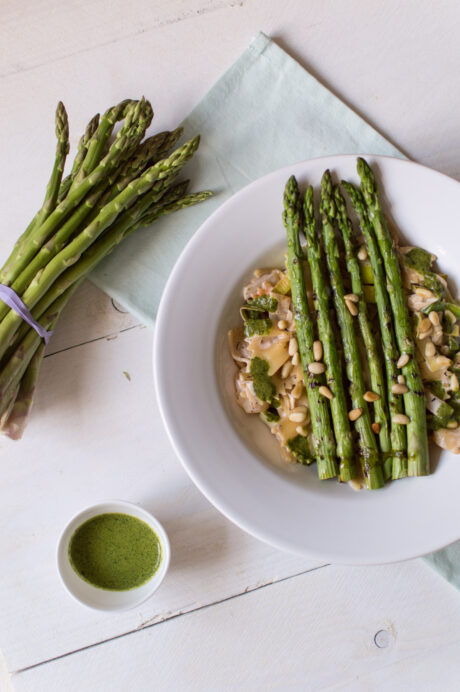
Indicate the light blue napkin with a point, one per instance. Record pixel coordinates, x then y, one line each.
265 112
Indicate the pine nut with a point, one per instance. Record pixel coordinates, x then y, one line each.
353 297
399 388
267 286
351 307
425 325
445 350
297 391
362 253
424 292
355 414
434 318
401 379
371 396
284 336
452 424
301 431
258 273
293 346
437 337
295 358
424 335
325 391
403 360
286 369
454 383
316 368
376 428
400 419
430 349
282 324
297 417
300 409
317 350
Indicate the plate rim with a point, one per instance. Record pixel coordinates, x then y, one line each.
221 505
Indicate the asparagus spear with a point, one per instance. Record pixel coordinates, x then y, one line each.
143 213
369 454
11 375
414 400
79 158
88 208
52 190
73 250
97 143
376 372
24 355
14 420
125 142
323 437
390 350
338 403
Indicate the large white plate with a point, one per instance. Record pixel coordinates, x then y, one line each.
232 457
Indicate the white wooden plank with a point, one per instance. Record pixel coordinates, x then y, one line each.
94 435
89 315
79 25
6 683
89 424
313 632
176 63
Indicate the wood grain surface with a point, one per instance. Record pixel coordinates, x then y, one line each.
233 613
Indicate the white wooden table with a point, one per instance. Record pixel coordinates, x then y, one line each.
232 613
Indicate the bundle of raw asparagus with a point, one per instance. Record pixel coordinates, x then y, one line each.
392 442
117 184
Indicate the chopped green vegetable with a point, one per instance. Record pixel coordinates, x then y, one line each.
441 305
435 423
421 261
265 302
453 342
300 449
271 415
369 293
248 313
367 275
257 327
445 413
437 389
284 285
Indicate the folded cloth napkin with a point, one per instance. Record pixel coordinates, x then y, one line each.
265 112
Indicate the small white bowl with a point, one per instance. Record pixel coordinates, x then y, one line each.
102 599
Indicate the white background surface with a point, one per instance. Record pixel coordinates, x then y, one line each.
94 434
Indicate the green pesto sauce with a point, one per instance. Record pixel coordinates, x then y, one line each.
257 327
264 387
420 259
115 551
300 449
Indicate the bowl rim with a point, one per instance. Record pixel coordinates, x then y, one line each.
181 452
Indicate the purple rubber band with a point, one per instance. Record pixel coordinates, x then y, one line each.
12 299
